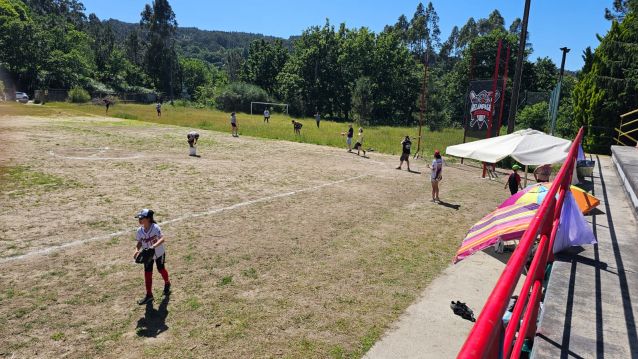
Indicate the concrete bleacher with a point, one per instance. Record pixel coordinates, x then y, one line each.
591 303
626 161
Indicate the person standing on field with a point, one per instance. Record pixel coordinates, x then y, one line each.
266 116
158 107
349 136
233 124
317 118
192 138
149 236
359 145
437 175
406 146
514 180
107 103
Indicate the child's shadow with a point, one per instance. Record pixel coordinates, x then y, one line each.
154 321
450 205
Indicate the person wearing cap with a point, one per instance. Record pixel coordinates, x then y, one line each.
437 175
406 145
514 180
149 235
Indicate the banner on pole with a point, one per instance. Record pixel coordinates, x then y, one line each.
481 110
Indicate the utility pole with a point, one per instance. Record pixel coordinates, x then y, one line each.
519 70
556 93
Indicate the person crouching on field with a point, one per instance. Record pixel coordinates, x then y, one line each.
297 127
359 145
192 138
149 235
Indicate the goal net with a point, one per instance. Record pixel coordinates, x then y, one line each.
259 107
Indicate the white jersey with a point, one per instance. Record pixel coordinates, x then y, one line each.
266 113
233 119
437 168
150 237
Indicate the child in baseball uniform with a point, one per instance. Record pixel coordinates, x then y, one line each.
149 235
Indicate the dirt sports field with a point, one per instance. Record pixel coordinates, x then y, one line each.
275 249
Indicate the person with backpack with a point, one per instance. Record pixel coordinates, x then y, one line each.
149 238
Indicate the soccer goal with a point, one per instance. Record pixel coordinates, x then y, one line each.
261 106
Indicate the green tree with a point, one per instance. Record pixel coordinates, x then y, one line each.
545 75
194 73
159 24
362 99
265 61
609 88
534 117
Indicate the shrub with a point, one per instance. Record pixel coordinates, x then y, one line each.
237 96
79 95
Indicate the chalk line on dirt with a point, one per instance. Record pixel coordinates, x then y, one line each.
47 250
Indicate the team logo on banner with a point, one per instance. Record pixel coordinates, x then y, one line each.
481 106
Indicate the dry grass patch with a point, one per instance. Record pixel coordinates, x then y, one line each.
314 273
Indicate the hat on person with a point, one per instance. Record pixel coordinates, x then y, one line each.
516 167
437 153
145 213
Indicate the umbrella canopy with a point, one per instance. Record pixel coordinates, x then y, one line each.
536 193
504 223
529 147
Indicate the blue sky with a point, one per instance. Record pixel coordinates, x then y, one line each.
553 24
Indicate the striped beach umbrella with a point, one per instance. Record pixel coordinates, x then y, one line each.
505 223
536 194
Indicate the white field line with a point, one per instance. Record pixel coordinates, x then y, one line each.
55 248
93 158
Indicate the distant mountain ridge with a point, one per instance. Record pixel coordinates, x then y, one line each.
208 45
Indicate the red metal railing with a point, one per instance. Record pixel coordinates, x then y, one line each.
489 338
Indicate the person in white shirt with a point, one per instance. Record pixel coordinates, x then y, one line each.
437 175
266 116
158 107
149 235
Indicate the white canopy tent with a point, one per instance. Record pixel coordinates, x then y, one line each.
529 147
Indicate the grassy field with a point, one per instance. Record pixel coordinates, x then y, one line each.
276 249
383 139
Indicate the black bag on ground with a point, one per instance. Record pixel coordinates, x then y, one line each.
461 309
145 256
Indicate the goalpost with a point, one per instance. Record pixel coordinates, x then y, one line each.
284 105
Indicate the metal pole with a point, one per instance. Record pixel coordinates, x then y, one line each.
494 89
500 114
556 99
424 90
519 70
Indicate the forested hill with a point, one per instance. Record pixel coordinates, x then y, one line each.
207 45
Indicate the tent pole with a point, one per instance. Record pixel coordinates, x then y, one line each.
525 181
